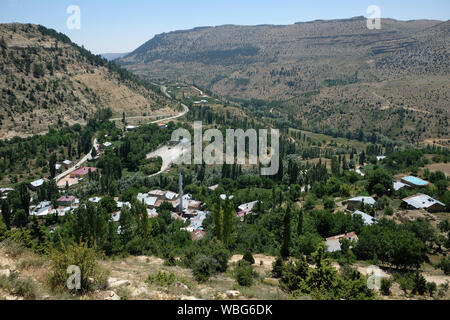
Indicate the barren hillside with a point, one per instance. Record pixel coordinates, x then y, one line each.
394 79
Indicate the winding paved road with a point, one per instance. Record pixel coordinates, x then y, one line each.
165 158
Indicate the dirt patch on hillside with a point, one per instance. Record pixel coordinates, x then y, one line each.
444 167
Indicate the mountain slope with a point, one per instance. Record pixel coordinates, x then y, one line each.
349 73
46 80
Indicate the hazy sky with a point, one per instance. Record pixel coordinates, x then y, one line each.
113 26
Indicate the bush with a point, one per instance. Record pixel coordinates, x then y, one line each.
162 279
170 260
431 288
244 274
277 268
13 248
85 258
123 293
19 286
420 284
204 268
386 287
445 265
249 258
388 211
329 203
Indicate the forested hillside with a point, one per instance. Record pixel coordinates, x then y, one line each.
48 81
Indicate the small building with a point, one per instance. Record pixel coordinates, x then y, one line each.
95 199
214 187
368 220
333 243
152 213
415 182
66 201
58 166
106 145
4 192
82 172
162 126
116 216
170 196
37 184
157 194
43 209
198 235
400 185
62 211
121 204
131 128
247 207
67 163
355 203
422 201
148 200
381 158
196 223
42 212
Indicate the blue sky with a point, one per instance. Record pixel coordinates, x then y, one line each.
112 26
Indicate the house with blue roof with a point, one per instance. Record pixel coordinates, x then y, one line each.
415 182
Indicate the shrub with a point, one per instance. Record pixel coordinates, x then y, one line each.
431 288
19 286
420 284
244 274
328 203
445 265
386 287
277 268
249 257
13 248
123 293
388 211
204 268
170 260
85 258
162 279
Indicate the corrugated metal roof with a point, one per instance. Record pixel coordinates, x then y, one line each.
422 201
368 220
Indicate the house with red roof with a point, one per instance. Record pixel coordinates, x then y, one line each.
66 201
82 172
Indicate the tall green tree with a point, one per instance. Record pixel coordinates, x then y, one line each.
285 252
24 197
218 220
6 213
228 223
301 217
52 165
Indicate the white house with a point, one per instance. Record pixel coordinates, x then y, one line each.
36 184
334 244
368 220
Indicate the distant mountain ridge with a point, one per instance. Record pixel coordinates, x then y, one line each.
113 56
398 66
